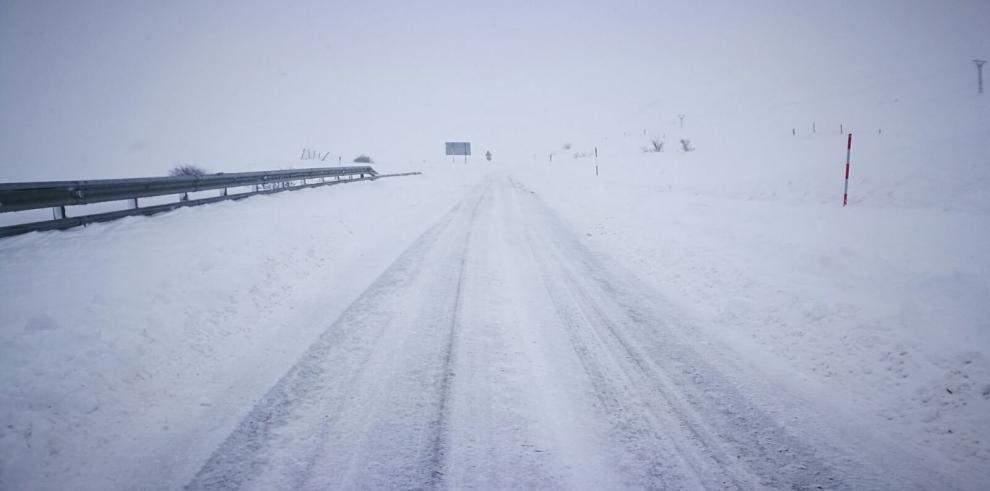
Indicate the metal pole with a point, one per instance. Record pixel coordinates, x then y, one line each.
845 193
979 73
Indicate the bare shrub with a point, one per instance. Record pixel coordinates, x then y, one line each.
187 170
308 154
655 146
686 145
363 159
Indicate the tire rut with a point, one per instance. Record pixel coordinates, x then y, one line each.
724 439
315 392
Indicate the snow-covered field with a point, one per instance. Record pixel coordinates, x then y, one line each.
532 324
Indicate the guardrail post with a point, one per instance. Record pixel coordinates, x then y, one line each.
184 197
58 213
224 192
132 204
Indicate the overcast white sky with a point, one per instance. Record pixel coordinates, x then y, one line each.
124 88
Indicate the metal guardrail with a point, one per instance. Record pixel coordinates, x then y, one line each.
32 195
59 194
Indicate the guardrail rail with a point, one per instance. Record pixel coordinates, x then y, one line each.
57 195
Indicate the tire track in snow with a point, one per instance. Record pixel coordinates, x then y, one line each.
502 433
649 459
285 438
440 439
385 397
724 439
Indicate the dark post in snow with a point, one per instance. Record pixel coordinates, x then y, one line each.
682 119
596 161
845 192
979 73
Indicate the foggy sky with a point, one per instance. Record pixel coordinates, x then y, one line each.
93 89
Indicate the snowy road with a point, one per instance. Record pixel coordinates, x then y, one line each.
497 351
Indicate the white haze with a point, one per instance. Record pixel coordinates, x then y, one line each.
105 89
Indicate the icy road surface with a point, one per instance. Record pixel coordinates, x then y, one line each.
497 351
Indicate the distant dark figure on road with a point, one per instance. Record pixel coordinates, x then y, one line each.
488 155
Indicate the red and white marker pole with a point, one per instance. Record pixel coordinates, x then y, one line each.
845 193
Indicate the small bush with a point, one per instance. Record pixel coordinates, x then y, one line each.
567 146
686 145
187 170
363 159
656 146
